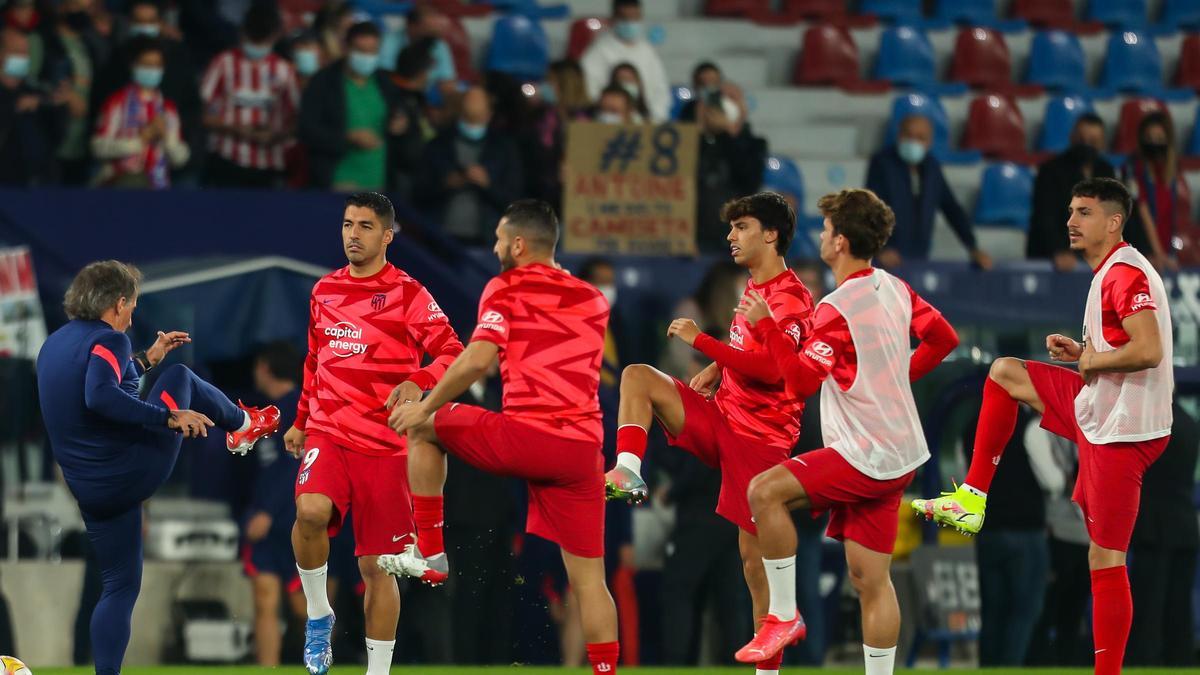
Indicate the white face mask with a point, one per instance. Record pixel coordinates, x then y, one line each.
609 292
609 117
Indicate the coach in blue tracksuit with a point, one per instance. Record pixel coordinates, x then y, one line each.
116 449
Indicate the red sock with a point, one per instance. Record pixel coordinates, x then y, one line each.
997 419
632 438
1112 614
427 514
603 657
772 663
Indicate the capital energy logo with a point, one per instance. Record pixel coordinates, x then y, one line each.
346 339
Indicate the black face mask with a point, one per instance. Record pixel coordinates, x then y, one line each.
1155 151
78 21
1083 153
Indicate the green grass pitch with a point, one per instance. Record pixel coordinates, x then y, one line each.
514 669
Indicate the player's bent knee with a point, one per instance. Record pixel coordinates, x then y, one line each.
313 512
772 488
1007 371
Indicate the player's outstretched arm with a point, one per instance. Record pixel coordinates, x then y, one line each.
1143 351
471 365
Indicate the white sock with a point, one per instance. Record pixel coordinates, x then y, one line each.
316 591
245 422
379 656
781 578
880 661
630 461
975 491
760 671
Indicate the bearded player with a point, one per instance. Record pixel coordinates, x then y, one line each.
858 355
752 422
547 328
1117 408
370 328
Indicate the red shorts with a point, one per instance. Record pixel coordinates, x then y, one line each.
861 509
707 435
372 487
565 478
1109 485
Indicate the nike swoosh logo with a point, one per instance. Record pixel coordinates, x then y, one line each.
396 539
1101 650
877 656
784 567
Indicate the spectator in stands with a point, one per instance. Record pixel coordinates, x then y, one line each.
424 22
138 133
306 57
330 24
713 303
73 52
1163 553
270 563
615 106
1052 189
179 74
31 123
351 116
1160 193
1012 554
625 76
910 179
411 77
626 42
472 172
731 158
251 98
565 79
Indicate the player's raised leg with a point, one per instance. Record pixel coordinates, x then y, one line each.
179 388
425 560
310 542
1008 383
646 393
597 610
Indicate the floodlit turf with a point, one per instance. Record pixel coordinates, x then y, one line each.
497 670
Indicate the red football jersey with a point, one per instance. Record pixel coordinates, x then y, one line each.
754 409
365 336
1123 293
550 328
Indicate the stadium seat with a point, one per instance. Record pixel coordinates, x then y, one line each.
830 57
519 48
1055 14
981 60
460 9
782 175
1188 73
894 10
815 9
1132 63
1118 13
583 31
680 96
995 128
1132 112
973 12
1056 61
922 104
1005 195
735 8
1193 146
1059 120
905 57
1180 13
460 50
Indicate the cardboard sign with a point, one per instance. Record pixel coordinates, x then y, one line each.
630 189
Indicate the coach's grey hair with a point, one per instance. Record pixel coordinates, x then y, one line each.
99 286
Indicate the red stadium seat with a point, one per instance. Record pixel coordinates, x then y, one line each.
996 128
815 9
1045 13
1132 112
982 61
460 49
460 9
1188 74
583 31
736 8
830 57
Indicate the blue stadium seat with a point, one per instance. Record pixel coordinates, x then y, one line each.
922 104
1118 13
1059 120
1005 196
1193 147
680 96
519 47
782 175
905 57
1181 13
895 10
1132 63
1056 61
974 12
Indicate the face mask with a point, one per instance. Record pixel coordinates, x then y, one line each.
78 21
145 29
632 89
307 62
255 52
1155 150
16 66
628 31
912 152
147 76
609 117
609 292
549 96
363 63
472 132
